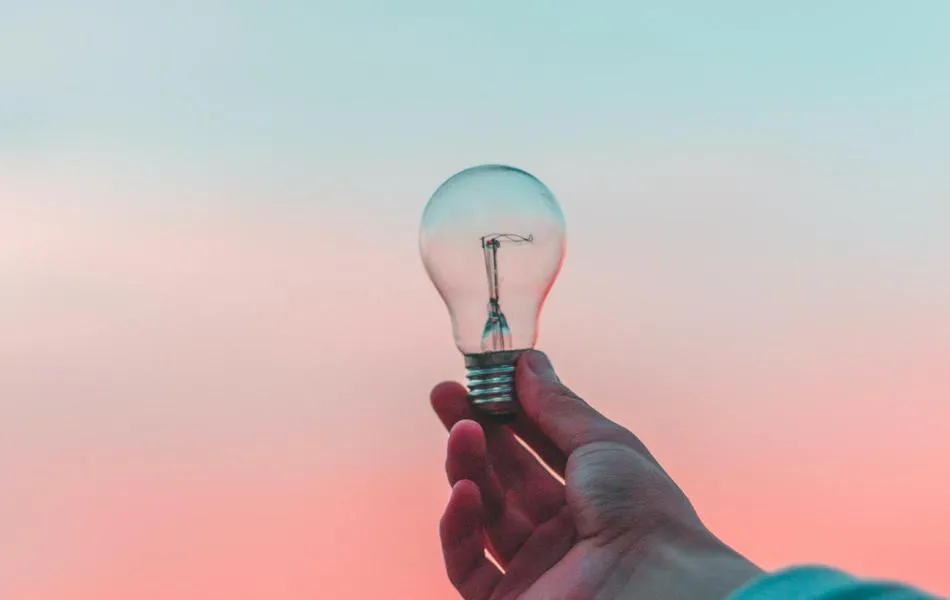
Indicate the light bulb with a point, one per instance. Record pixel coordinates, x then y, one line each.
493 241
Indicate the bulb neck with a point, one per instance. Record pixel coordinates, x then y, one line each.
491 384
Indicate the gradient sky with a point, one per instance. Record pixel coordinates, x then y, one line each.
217 338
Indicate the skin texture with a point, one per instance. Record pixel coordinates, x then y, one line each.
588 513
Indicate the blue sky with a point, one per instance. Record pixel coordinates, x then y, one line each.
349 82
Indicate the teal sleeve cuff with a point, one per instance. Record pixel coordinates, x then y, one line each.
822 583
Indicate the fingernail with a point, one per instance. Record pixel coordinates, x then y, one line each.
540 365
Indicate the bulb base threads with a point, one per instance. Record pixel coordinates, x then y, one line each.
491 384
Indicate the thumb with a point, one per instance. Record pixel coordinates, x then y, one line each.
539 365
559 413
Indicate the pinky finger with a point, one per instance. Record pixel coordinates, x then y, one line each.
463 546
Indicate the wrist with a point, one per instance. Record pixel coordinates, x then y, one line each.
692 565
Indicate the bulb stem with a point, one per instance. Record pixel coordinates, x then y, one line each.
491 384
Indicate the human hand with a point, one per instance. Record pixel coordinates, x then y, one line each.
616 526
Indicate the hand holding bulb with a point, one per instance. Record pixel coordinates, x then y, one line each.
599 519
492 240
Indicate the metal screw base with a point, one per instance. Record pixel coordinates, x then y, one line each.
491 383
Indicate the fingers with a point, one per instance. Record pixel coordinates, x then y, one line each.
467 459
537 494
559 414
450 402
461 530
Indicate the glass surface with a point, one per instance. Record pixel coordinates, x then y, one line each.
492 240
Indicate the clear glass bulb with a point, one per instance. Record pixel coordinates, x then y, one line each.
493 240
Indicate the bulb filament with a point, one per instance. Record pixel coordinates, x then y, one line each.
497 335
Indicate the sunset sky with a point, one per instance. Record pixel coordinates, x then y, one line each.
217 338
